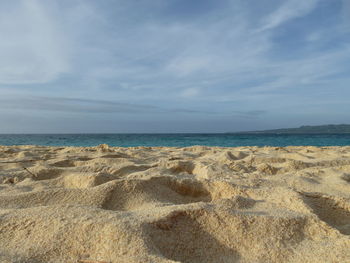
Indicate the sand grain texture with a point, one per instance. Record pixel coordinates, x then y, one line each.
195 204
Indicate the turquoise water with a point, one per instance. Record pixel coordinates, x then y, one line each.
178 140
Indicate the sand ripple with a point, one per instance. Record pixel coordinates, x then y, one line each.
195 204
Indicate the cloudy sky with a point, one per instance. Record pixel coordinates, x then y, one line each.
70 66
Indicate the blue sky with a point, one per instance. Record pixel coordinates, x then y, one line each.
70 66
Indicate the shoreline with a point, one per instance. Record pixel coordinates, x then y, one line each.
177 140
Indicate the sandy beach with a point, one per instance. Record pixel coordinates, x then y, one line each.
195 204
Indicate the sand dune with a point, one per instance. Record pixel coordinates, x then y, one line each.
195 204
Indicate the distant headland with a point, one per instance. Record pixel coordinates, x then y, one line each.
306 129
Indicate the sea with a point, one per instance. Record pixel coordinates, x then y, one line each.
177 140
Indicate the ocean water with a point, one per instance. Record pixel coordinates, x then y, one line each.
176 140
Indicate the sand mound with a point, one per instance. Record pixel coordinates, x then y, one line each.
194 204
332 210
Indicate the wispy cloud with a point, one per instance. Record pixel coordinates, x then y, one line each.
72 105
32 47
288 10
78 105
249 114
185 57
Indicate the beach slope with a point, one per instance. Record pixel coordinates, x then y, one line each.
195 204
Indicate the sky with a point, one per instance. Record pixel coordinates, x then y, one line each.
145 66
